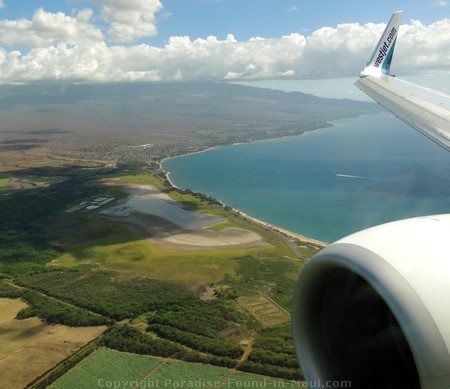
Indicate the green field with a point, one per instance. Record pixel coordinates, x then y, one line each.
106 367
4 182
172 374
140 179
266 311
9 183
115 247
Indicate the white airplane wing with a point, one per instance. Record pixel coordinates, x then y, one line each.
424 109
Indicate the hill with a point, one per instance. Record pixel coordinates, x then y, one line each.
163 113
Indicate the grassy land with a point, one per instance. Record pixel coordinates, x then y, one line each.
4 183
173 373
109 365
90 264
265 310
137 179
10 183
115 247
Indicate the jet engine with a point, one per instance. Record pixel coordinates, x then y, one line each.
373 309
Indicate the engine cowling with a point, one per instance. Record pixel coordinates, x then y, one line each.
374 308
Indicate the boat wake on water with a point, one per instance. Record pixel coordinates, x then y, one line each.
358 177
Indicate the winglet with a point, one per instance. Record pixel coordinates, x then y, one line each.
381 58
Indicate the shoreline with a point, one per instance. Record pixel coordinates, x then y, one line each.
306 132
275 228
167 173
287 233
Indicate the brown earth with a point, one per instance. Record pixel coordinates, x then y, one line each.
30 347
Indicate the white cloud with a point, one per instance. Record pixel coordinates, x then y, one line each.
2 4
45 29
130 19
326 53
442 3
292 9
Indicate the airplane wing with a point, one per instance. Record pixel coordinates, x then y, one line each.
424 109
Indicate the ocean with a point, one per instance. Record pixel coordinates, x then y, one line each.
327 183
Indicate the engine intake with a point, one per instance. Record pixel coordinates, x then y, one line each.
374 308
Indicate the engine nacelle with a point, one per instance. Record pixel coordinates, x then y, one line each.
374 308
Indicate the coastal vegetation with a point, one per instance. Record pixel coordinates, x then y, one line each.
81 269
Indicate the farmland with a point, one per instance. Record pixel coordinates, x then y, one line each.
106 366
29 347
266 311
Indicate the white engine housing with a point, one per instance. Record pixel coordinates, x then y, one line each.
374 307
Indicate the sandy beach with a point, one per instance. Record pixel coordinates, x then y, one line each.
283 231
287 233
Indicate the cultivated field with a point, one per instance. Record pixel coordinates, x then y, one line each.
29 347
107 366
172 374
265 310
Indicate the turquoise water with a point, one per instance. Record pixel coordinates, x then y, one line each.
328 183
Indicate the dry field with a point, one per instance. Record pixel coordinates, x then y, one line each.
266 311
29 347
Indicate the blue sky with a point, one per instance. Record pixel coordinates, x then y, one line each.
214 40
249 18
272 18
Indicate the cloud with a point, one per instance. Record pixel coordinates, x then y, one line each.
292 9
2 4
442 3
329 52
45 29
130 19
